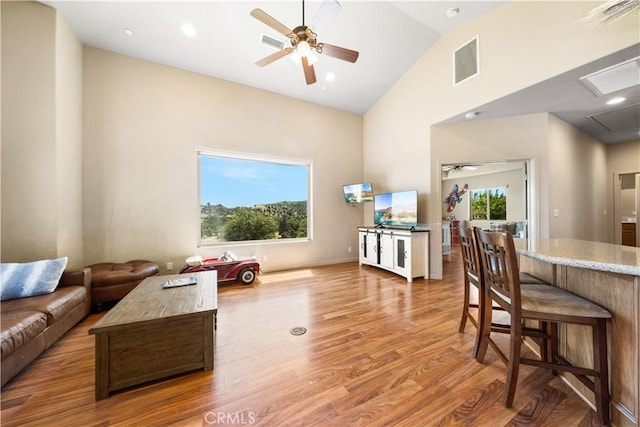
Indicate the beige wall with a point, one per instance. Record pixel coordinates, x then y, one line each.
143 123
578 191
521 44
41 139
68 144
142 118
621 158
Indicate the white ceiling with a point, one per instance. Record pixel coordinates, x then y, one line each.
390 36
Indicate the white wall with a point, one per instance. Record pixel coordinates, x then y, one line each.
521 44
143 123
41 135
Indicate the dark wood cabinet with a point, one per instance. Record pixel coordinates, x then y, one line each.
628 234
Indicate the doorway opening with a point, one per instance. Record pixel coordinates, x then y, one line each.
491 195
626 205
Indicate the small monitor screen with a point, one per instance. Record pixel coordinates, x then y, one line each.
358 193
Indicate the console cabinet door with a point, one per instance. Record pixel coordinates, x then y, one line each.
385 250
362 246
368 248
402 255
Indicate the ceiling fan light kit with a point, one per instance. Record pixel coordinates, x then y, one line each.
304 42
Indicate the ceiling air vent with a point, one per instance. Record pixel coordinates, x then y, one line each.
614 78
626 119
271 42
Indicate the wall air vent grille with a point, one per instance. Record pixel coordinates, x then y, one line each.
466 61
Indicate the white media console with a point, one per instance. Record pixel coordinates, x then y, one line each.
404 252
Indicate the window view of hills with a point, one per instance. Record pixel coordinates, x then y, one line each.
281 220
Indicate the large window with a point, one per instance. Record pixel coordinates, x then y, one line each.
244 199
489 203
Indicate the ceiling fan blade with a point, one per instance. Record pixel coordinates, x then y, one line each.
309 72
339 52
274 57
328 9
260 15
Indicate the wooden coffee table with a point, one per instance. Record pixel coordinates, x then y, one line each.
155 333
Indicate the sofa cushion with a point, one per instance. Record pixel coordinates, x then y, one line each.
54 305
19 328
19 280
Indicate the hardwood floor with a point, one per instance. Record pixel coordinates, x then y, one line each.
377 352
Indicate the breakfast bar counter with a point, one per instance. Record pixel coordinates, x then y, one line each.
608 275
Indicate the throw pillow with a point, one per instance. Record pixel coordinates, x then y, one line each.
19 280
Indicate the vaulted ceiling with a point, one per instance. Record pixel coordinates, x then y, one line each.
225 42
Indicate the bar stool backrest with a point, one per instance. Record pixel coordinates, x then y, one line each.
498 257
470 258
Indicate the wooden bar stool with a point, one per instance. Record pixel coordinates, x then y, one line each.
549 306
473 276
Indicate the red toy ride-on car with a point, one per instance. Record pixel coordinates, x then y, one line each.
228 266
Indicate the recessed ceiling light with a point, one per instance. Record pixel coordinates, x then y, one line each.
188 30
330 77
616 100
471 115
128 32
453 11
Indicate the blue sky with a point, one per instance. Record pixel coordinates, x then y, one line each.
238 182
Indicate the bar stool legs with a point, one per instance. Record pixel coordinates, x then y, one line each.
546 306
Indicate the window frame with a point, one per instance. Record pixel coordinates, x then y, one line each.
256 158
487 190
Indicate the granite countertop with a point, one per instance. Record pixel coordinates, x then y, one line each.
582 253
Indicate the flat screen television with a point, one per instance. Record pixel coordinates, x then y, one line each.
358 193
398 209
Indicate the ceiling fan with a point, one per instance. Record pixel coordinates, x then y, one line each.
457 168
304 41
